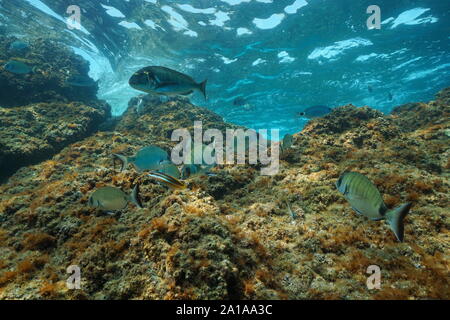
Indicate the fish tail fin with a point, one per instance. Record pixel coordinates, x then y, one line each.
134 197
202 88
122 158
395 219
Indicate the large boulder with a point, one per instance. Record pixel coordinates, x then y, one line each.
36 132
57 74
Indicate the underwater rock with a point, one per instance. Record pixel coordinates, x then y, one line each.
341 119
413 116
192 251
35 132
53 65
156 116
231 235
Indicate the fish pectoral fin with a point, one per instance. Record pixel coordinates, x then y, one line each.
187 93
357 211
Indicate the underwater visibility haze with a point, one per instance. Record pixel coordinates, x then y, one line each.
91 93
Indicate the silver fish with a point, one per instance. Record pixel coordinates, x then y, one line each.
147 158
165 81
18 46
366 200
113 199
191 170
167 167
287 142
315 112
18 67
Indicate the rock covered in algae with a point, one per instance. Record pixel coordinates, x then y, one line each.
54 66
231 235
35 132
150 116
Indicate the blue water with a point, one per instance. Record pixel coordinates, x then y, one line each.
282 56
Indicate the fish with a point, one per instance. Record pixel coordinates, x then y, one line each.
165 81
390 96
18 67
366 200
315 111
248 107
80 81
170 169
167 180
191 170
292 213
18 46
113 199
239 101
370 88
287 142
147 158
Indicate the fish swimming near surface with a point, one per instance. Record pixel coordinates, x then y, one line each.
18 67
366 200
315 111
80 81
167 180
165 81
248 107
113 199
148 158
239 101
